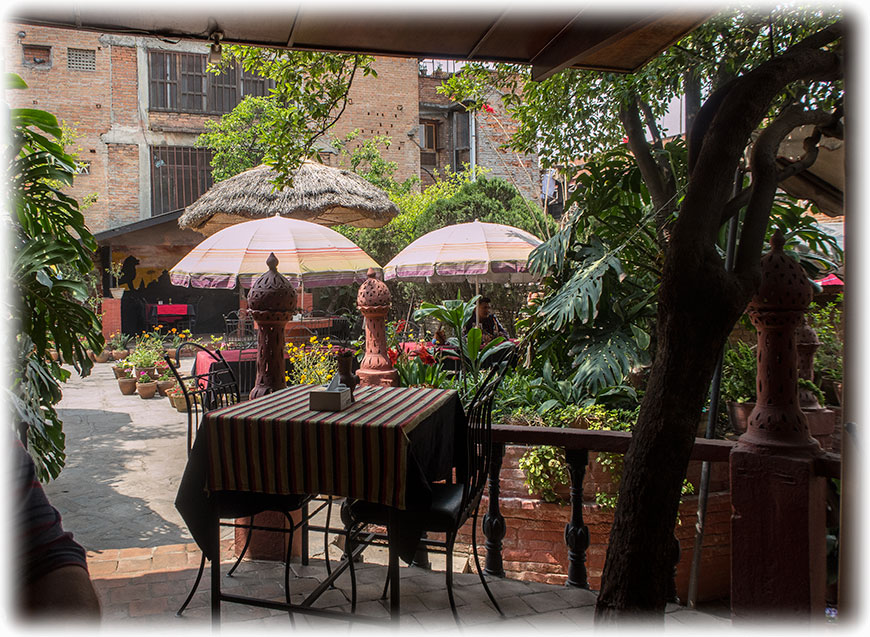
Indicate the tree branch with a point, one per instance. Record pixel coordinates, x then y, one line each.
656 180
765 178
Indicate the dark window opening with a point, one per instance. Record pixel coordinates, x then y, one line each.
179 176
430 136
36 55
179 83
462 138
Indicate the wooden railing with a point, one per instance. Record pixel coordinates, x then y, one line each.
577 444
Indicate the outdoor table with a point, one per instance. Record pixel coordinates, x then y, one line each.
157 313
385 448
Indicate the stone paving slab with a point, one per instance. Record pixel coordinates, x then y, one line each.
116 494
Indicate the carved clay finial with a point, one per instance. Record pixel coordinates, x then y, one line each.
371 273
272 262
777 241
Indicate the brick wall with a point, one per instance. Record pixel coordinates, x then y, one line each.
111 309
80 98
122 188
386 105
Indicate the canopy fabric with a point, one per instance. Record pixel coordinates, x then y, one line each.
308 254
476 251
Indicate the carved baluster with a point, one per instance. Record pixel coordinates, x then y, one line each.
576 532
493 521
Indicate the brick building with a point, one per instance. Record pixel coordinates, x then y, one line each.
137 104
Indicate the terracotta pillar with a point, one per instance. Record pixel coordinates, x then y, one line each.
374 300
270 304
271 301
819 419
778 503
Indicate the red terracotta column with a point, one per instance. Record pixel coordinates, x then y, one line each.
374 300
270 304
778 523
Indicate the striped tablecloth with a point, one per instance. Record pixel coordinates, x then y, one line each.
384 448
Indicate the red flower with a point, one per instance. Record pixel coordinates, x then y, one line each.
488 108
394 355
425 356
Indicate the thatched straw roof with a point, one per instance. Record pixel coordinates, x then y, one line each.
321 194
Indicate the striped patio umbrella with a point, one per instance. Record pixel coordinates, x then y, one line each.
309 255
477 252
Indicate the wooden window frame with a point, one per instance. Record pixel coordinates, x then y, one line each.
179 176
179 83
427 127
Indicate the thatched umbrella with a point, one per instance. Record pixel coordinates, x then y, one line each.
321 194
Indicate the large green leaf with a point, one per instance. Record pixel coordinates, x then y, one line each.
604 361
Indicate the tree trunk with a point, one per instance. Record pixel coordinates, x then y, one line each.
698 304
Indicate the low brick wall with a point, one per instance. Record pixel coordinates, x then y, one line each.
534 542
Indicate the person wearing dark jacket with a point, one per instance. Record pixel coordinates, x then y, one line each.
486 320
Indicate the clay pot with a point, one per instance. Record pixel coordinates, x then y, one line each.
146 390
164 385
178 402
127 386
119 354
103 357
91 355
54 355
119 371
151 371
738 415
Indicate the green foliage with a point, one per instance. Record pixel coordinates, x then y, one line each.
474 355
827 321
366 160
576 113
52 257
282 128
739 370
238 139
414 372
601 275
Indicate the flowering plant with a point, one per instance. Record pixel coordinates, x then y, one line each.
144 377
312 363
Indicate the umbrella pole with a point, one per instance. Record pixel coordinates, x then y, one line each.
476 293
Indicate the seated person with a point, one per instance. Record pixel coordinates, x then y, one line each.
52 571
486 320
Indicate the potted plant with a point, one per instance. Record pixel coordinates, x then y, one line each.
165 381
115 274
146 387
126 382
176 398
739 369
147 355
117 345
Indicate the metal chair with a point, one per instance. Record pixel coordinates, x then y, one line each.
239 330
452 504
212 387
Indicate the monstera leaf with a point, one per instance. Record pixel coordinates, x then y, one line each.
604 360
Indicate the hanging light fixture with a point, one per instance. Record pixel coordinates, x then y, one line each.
215 53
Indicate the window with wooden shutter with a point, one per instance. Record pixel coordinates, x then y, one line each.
191 96
179 176
163 85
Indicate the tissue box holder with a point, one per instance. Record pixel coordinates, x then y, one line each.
323 400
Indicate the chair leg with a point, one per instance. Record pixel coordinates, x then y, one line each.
348 555
448 568
250 534
193 588
386 585
326 540
287 558
477 563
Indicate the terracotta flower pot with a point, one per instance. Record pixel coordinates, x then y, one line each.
91 355
178 402
127 386
119 354
146 390
165 385
738 415
103 357
151 371
119 371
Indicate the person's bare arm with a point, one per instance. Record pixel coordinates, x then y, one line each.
64 592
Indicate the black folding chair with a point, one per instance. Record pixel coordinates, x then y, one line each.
212 387
452 504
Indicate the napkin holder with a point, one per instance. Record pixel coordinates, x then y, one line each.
333 397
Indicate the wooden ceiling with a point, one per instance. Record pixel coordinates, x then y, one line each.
590 35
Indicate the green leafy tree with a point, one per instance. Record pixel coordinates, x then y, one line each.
52 250
281 129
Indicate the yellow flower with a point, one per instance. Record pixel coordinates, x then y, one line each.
313 339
